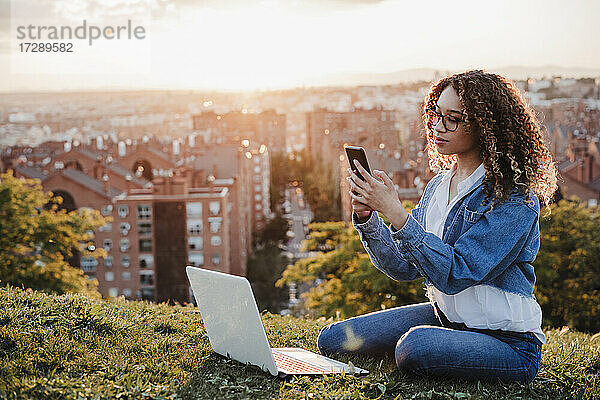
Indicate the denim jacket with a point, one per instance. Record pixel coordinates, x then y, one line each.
481 245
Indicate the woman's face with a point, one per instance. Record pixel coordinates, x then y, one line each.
460 141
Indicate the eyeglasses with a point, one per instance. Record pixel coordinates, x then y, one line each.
450 122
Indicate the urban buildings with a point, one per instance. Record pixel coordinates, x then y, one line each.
161 164
165 212
267 127
392 140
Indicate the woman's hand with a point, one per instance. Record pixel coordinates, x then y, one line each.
361 210
376 195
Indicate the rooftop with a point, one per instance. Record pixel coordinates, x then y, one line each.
91 183
31 172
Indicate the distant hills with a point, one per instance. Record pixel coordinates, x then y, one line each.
429 74
351 79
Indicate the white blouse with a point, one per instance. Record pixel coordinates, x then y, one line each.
480 306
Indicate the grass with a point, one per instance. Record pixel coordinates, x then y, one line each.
73 347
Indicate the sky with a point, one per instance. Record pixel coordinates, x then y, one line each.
271 44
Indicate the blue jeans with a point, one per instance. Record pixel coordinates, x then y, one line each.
425 342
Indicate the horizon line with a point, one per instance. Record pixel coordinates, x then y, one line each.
309 86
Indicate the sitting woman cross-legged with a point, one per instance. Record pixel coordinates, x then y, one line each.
473 236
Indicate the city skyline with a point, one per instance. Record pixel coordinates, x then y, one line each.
232 45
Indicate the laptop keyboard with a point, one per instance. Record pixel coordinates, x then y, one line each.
292 365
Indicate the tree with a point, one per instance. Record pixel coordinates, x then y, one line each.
319 180
343 277
274 231
265 266
37 239
567 270
279 178
322 185
568 267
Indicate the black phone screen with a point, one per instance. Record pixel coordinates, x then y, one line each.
357 153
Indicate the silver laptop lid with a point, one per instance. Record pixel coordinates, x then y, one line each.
231 317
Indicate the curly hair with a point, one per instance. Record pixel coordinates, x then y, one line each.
511 139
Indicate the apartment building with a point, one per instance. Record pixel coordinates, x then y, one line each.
154 233
328 131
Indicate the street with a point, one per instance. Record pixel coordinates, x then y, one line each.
297 211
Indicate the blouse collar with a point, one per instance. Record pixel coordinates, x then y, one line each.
469 181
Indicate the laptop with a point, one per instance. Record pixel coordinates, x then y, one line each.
235 330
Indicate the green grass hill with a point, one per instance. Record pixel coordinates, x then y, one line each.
73 347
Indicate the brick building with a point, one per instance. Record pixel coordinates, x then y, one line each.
579 174
245 170
327 132
175 226
97 165
261 178
154 233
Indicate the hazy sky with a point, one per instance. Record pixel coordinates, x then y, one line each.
246 44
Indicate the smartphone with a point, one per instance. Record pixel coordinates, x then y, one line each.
357 153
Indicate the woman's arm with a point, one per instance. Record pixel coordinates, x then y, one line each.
483 252
377 241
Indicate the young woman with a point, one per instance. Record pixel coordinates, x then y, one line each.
473 237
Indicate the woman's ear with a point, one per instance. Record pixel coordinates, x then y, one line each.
473 127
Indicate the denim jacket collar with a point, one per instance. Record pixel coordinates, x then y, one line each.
436 180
